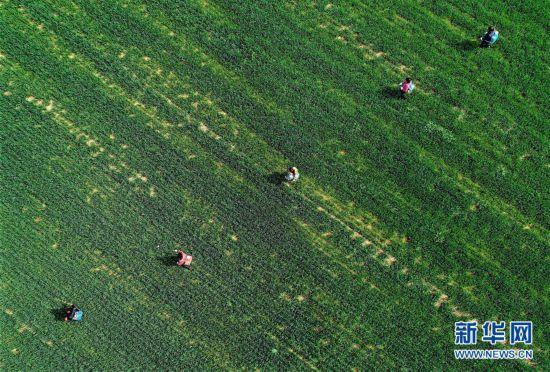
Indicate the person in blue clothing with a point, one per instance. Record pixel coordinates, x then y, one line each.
490 37
73 313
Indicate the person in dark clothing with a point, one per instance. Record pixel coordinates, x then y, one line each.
73 313
490 37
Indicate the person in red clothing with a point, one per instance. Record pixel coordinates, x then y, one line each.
184 259
406 87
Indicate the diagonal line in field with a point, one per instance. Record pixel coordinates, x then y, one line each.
389 260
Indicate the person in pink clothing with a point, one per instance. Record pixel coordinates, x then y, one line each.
406 87
184 259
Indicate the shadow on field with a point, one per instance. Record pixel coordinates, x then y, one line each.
59 313
467 45
390 92
168 260
276 178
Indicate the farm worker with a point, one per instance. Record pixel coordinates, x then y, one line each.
406 87
292 174
73 313
490 37
184 259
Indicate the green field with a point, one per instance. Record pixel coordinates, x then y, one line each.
132 128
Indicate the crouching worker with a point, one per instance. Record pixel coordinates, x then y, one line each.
406 87
292 174
73 313
490 37
184 260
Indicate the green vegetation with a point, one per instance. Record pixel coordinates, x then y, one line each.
133 128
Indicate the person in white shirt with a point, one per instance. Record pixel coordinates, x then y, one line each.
292 174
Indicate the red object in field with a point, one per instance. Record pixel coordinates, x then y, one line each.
184 259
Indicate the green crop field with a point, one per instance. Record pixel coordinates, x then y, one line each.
132 128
